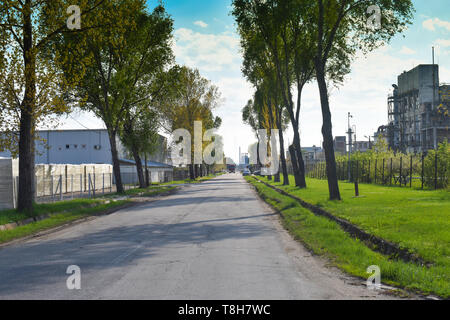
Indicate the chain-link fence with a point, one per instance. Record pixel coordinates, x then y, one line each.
53 188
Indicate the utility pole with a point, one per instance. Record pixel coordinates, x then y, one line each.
350 146
434 105
370 141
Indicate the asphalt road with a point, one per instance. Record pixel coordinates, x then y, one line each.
214 240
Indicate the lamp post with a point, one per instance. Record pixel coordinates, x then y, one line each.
370 141
350 145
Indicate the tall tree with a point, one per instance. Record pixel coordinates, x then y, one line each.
139 134
32 86
342 27
125 61
148 53
261 72
273 23
188 97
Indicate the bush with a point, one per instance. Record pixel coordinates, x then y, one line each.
443 166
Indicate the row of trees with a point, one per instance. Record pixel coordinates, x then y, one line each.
288 43
118 65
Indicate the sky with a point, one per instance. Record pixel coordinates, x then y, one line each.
206 39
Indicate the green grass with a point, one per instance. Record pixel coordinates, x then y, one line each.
62 212
326 238
414 219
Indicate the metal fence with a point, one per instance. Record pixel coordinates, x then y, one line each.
406 171
66 187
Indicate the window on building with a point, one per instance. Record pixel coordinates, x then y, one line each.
67 146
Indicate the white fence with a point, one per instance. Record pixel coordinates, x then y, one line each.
64 182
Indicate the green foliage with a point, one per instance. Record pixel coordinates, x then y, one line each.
188 97
442 158
139 132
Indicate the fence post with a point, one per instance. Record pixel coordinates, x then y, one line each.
60 187
362 171
390 177
94 187
423 169
376 168
410 172
401 171
436 170
51 188
89 185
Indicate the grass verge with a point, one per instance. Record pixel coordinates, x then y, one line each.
326 238
416 220
61 213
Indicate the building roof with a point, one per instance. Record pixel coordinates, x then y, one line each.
150 164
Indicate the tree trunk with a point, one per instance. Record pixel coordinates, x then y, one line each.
115 160
258 160
294 163
26 165
26 158
283 157
276 177
147 178
139 169
327 132
301 163
191 172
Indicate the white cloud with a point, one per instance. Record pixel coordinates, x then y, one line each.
208 52
201 24
407 51
443 42
431 24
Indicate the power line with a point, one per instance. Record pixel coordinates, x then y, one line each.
78 122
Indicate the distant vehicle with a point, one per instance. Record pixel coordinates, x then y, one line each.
231 168
246 172
257 173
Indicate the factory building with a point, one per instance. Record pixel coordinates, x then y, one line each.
416 121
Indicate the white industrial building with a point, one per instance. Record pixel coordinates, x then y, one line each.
84 147
65 152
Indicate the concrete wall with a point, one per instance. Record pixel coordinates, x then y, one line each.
8 183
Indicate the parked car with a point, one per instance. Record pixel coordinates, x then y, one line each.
246 172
